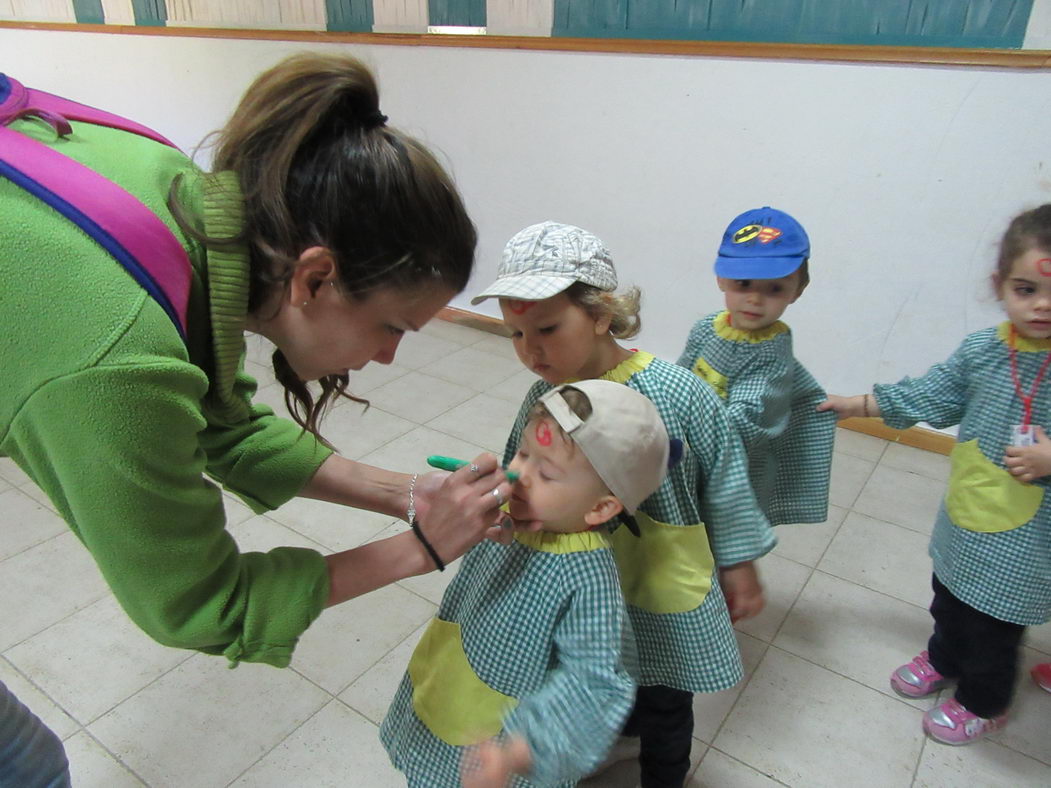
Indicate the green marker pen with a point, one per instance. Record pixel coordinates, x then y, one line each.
452 464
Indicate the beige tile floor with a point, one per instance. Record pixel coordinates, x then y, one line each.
845 605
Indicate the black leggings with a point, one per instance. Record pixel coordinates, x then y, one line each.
979 651
663 720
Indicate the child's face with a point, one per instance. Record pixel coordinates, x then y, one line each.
1026 294
556 483
555 338
757 303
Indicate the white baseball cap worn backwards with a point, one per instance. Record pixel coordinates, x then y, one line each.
624 438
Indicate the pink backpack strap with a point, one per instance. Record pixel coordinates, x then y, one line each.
116 219
17 101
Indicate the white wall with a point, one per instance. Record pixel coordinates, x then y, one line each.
905 177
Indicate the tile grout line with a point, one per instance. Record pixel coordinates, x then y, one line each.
749 766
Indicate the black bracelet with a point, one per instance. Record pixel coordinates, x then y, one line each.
427 545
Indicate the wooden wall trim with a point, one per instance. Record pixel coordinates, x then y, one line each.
943 56
493 325
918 437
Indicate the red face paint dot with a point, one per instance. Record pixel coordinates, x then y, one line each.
543 433
519 307
1043 265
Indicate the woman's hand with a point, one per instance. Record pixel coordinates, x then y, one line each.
456 510
453 513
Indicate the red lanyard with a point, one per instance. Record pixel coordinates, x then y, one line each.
1027 402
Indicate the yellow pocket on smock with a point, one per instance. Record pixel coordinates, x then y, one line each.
984 497
455 705
668 569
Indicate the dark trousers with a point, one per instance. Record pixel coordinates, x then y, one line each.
979 651
663 721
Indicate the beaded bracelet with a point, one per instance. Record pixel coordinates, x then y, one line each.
865 405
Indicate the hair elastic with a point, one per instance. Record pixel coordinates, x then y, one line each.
373 120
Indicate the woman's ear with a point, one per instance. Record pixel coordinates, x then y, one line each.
605 509
315 267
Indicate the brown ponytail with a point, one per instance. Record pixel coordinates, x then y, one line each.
318 166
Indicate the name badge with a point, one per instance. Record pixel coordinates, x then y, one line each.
1023 435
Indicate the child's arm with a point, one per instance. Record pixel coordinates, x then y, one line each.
693 346
491 763
939 397
742 589
759 399
738 529
851 407
1027 463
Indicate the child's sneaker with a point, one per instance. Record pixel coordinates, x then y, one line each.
1042 676
917 679
951 723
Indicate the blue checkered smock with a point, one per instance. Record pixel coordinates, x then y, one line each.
1003 569
772 401
542 622
687 642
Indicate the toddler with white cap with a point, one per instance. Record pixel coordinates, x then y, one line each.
528 657
558 293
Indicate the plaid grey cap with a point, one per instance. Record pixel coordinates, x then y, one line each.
544 259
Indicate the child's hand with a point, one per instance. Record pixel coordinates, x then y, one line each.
742 589
1026 463
491 764
505 532
850 407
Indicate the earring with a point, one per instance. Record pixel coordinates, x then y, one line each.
305 303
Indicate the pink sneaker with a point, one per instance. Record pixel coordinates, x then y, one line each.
917 679
951 723
1042 676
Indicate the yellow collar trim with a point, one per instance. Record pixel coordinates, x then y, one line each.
551 542
1023 344
722 327
622 373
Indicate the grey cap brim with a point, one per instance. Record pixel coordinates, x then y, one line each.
525 287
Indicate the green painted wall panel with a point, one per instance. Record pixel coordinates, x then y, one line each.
960 23
89 12
470 13
149 12
349 15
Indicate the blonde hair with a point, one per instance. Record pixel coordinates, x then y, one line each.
318 166
622 308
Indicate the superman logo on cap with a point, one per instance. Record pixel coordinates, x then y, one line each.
752 231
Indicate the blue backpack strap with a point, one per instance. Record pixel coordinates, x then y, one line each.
113 217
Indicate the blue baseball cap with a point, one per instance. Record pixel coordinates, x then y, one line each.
763 243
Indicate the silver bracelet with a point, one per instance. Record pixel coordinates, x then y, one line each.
410 515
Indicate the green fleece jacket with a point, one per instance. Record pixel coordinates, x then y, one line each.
121 423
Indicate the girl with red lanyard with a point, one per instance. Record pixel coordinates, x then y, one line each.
990 543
